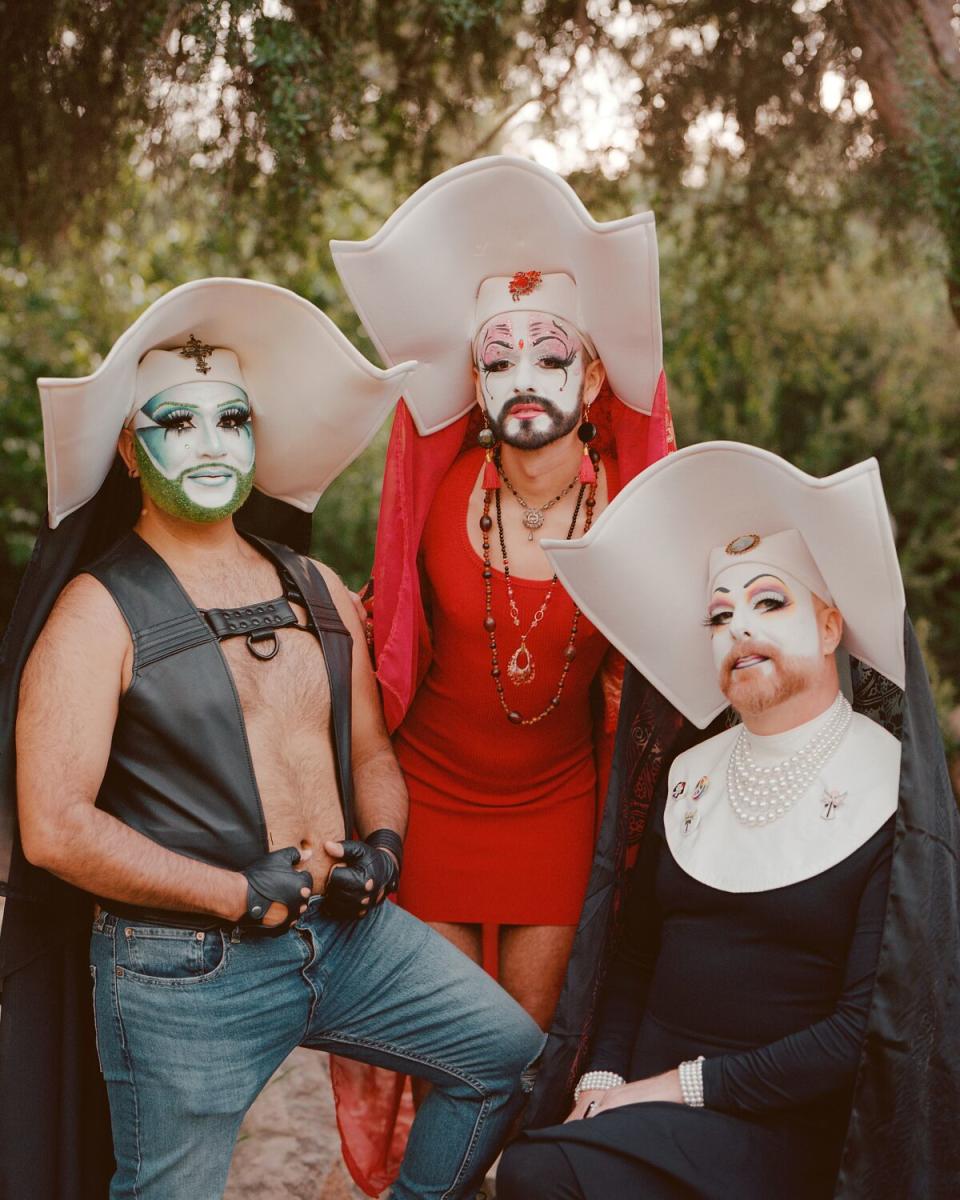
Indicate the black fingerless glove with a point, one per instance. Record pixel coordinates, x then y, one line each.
363 861
272 878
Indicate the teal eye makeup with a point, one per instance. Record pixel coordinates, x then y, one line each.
175 418
234 418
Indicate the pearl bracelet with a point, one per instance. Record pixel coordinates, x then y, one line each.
691 1082
597 1081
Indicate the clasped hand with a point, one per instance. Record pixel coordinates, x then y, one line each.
640 1091
361 880
276 891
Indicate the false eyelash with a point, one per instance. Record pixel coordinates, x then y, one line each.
170 419
495 367
558 364
236 416
713 622
776 600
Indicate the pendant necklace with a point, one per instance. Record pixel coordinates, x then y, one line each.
521 669
760 795
532 516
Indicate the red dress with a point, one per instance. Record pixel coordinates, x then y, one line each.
502 816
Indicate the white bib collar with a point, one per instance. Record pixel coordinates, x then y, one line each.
853 795
770 748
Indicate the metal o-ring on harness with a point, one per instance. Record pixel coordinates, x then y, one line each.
256 623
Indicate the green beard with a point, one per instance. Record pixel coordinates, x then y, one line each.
168 494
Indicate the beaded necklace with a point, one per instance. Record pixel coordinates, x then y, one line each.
532 515
760 795
521 668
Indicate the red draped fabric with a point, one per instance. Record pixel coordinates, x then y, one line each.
374 1109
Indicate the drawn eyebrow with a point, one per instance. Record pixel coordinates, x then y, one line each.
553 323
176 405
726 591
764 575
490 338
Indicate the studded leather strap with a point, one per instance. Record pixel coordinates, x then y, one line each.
241 622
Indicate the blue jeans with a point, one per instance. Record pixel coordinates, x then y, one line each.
191 1024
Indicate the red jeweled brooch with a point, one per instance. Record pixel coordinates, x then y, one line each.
523 283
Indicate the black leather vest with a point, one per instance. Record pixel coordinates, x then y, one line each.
180 770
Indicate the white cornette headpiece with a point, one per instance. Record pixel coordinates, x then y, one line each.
316 401
642 572
502 234
785 552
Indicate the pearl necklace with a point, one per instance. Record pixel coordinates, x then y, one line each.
760 795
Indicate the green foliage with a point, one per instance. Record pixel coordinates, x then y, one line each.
346 518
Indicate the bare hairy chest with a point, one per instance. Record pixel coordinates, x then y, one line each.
291 688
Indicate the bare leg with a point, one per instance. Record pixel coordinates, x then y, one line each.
466 938
533 963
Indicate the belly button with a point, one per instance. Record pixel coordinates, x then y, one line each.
304 844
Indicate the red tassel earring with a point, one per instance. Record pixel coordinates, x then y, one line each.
491 476
586 433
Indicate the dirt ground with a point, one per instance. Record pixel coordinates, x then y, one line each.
289 1148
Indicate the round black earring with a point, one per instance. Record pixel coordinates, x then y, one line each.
487 438
587 431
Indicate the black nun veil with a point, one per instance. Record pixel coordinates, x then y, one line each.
54 1124
902 1140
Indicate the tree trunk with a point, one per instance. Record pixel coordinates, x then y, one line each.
888 31
911 62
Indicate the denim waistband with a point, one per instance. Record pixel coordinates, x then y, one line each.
112 913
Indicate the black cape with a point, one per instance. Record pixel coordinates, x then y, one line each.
54 1122
902 1139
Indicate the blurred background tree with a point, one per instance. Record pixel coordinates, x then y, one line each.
803 160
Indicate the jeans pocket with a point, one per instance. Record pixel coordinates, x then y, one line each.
169 955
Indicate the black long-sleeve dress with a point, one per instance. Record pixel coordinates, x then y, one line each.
773 988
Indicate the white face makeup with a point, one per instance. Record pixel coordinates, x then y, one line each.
765 634
196 448
531 368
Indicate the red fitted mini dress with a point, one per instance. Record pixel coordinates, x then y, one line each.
502 816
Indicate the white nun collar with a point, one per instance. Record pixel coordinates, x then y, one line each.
716 849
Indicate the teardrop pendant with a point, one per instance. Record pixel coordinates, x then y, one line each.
521 668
